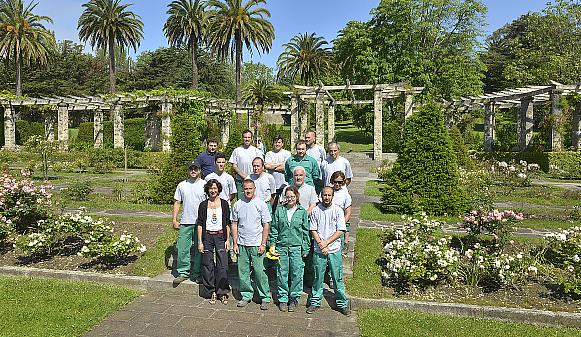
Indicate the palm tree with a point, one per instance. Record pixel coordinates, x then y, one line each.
185 26
23 36
107 23
234 25
306 57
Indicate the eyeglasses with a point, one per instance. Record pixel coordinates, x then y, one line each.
340 182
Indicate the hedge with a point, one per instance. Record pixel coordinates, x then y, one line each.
25 130
134 133
558 164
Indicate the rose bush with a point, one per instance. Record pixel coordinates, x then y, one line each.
499 224
564 252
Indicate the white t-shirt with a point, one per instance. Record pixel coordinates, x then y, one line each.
289 213
277 157
330 166
265 186
190 194
342 198
326 221
243 159
317 152
214 219
250 215
228 184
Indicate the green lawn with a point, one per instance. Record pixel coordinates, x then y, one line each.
366 280
152 263
372 212
372 188
539 195
100 201
384 322
352 139
44 307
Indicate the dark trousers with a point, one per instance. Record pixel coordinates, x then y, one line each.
214 274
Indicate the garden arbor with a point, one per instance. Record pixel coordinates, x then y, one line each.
525 99
321 96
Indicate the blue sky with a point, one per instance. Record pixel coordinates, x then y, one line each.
289 17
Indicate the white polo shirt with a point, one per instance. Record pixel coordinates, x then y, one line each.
250 215
342 198
330 166
190 194
308 195
265 186
243 159
326 221
228 184
277 157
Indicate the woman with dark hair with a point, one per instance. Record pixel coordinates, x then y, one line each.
213 232
290 238
342 198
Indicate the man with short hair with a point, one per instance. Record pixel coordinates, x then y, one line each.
333 163
327 225
318 153
301 158
264 182
190 193
308 197
228 184
207 158
241 160
274 163
250 228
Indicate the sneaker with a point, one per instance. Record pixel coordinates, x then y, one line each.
179 279
282 306
312 309
264 306
292 306
345 311
242 303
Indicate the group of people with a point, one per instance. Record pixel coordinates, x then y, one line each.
294 209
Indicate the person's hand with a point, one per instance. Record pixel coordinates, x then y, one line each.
235 249
325 251
176 224
200 247
322 244
227 245
261 250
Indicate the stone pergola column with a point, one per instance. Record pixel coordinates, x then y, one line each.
98 128
49 125
63 126
556 143
294 122
225 129
9 128
377 125
408 105
320 118
576 128
118 127
331 122
525 123
152 130
304 120
488 126
166 111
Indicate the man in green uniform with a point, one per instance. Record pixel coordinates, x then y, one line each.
301 158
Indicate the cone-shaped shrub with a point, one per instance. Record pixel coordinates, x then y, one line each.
425 176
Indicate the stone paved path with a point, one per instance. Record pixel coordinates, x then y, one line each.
181 312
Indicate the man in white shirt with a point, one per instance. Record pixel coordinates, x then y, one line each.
190 193
264 182
317 152
333 163
241 160
308 197
274 163
250 228
327 224
226 180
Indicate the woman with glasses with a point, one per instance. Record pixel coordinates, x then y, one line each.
342 198
290 238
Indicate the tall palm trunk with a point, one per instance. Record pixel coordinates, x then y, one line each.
238 38
195 75
112 70
18 60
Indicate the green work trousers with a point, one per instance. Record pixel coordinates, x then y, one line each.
187 235
289 271
335 262
248 255
239 190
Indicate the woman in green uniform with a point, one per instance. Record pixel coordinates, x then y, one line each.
290 238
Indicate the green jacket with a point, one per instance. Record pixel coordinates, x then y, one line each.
312 170
295 233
